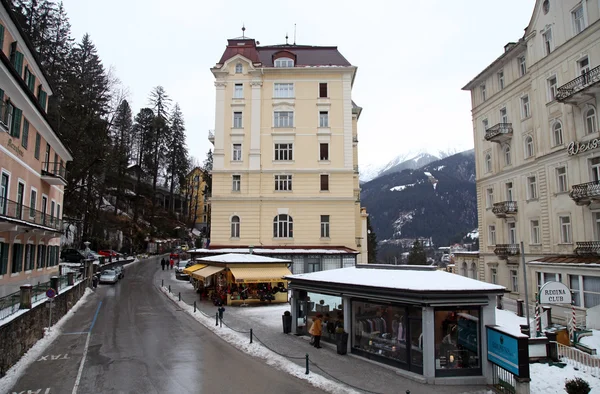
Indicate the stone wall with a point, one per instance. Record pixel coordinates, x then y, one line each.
21 333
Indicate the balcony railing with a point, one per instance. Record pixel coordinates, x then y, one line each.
566 92
357 195
506 250
355 139
499 132
585 193
505 208
54 173
18 212
587 248
356 169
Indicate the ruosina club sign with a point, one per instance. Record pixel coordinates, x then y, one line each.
555 293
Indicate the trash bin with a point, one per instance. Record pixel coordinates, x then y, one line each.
287 323
341 341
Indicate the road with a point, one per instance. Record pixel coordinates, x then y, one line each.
129 338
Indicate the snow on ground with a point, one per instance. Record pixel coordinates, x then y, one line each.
14 373
427 173
401 187
546 379
440 168
509 321
592 341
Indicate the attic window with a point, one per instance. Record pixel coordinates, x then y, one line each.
238 68
284 62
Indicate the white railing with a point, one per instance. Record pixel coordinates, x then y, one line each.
580 360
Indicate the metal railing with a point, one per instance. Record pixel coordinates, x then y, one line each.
10 304
501 209
38 292
498 129
585 190
54 168
503 381
579 360
587 247
578 84
13 210
356 170
506 250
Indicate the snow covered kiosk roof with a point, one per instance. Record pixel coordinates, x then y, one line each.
239 258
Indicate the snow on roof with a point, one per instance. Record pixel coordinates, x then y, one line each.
401 279
242 258
272 251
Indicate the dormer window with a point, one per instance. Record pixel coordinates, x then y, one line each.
238 68
284 62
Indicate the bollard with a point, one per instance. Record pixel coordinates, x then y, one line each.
306 373
407 391
221 322
179 296
162 283
194 306
169 288
499 303
250 335
216 318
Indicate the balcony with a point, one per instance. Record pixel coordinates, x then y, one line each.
580 89
585 193
587 248
499 133
504 209
357 195
211 136
355 139
356 170
54 173
15 213
504 251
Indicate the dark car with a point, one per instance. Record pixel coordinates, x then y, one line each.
71 256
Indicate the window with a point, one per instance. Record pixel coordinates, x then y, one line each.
525 113
509 191
324 226
15 122
463 269
503 115
584 67
324 182
501 79
595 169
3 246
284 62
531 188
38 140
25 136
473 271
485 124
57 211
512 233
483 92
283 226
578 22
323 119
284 119
557 133
16 58
535 231
52 206
238 91
4 193
494 275
32 203
457 341
284 90
507 155
324 151
8 115
590 296
29 257
514 281
529 150
552 88
237 120
546 6
522 66
565 229
544 277
489 194
488 163
492 234
561 180
323 90
547 39
239 68
41 256
283 152
235 227
237 152
236 183
17 258
283 182
20 198
1 46
590 121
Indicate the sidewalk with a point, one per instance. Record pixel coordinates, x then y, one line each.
265 321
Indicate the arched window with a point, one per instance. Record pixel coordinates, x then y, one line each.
590 121
238 68
529 149
463 269
235 227
557 133
283 226
488 163
284 62
507 156
473 270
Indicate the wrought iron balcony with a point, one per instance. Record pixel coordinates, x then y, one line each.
578 90
500 132
504 251
585 193
54 173
504 209
211 136
16 213
355 139
357 195
587 248
356 169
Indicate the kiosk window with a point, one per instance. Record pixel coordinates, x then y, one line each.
457 344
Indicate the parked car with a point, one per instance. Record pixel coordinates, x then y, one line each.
109 276
120 271
180 266
108 253
71 256
90 254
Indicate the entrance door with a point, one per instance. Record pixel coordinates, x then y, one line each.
3 193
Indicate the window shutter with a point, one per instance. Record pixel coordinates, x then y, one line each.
37 146
16 123
42 96
1 38
25 139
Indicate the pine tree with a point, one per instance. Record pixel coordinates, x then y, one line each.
177 155
121 149
371 243
417 255
206 174
159 100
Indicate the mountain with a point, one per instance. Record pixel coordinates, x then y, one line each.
437 200
401 162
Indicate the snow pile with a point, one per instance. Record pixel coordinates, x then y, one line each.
440 168
427 173
509 321
592 341
547 379
401 187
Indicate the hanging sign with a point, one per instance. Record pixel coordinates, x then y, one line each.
555 293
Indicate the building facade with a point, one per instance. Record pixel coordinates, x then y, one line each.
535 126
285 172
32 165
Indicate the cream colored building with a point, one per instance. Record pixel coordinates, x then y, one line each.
532 108
32 165
285 172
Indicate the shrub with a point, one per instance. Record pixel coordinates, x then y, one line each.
577 386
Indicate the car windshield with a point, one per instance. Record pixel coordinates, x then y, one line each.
108 272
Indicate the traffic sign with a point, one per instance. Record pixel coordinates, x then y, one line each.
50 293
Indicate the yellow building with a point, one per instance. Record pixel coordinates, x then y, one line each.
285 173
197 199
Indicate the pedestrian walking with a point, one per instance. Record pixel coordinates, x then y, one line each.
221 311
172 263
163 263
317 329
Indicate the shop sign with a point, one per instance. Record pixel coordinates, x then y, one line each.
576 147
14 147
508 351
555 293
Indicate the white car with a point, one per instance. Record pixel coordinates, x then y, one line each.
180 266
109 276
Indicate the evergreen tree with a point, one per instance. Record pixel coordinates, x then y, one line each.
122 139
371 243
417 255
159 100
177 155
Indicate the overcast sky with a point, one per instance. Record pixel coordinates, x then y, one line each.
413 57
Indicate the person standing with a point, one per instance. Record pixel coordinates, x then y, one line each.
163 263
317 329
172 263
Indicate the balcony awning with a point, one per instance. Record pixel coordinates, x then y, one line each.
195 267
259 274
206 272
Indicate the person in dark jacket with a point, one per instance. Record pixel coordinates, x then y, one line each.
163 263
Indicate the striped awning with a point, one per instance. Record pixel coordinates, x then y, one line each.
259 274
206 272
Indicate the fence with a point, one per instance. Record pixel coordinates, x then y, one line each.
10 304
503 381
580 360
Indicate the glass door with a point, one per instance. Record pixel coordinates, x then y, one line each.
20 193
44 205
415 322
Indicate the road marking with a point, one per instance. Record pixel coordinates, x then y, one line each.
38 391
54 357
75 333
85 350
